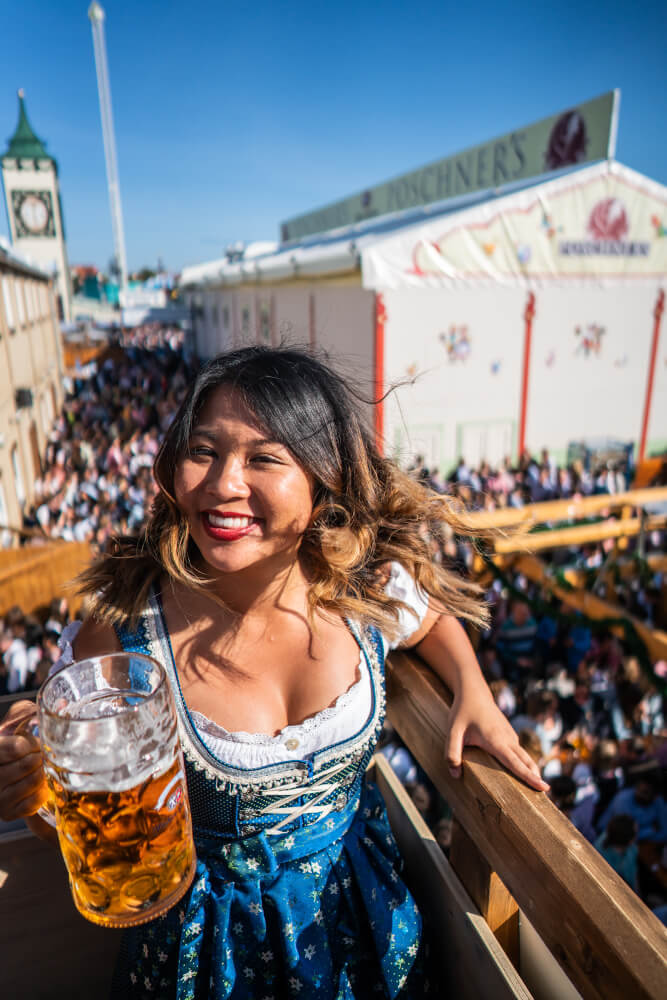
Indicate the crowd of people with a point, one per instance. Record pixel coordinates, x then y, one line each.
96 478
584 707
588 705
536 480
532 479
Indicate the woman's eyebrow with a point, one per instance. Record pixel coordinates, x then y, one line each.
212 435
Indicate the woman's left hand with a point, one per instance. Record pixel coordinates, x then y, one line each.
476 721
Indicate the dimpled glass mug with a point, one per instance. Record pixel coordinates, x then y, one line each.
109 738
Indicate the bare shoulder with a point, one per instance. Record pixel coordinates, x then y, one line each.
95 638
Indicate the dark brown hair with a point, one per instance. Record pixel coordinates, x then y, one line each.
366 511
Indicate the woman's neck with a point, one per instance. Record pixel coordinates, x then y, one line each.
261 589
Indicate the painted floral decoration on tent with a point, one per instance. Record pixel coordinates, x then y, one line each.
589 339
660 228
548 225
411 370
456 342
550 359
523 253
496 366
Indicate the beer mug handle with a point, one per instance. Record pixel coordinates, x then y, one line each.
30 727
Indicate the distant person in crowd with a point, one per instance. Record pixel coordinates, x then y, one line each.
618 846
644 803
15 660
564 795
516 638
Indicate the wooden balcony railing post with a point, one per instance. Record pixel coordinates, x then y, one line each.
486 890
604 938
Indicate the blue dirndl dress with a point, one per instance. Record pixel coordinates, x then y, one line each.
310 905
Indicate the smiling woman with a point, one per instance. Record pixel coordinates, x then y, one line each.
246 497
283 559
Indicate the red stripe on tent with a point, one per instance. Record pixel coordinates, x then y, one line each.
380 319
528 316
657 318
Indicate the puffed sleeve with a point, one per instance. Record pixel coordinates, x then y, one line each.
402 586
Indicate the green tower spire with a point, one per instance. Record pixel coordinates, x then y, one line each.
24 144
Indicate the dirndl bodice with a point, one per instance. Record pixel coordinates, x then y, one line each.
297 891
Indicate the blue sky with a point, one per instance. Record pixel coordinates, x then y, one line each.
231 117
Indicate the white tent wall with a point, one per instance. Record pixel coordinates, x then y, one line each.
338 319
591 384
465 397
293 315
344 324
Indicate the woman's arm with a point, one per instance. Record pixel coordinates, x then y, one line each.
476 720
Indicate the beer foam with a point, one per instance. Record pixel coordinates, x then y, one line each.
119 779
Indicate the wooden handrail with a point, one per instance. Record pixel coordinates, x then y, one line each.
594 607
40 574
27 532
608 943
578 534
564 510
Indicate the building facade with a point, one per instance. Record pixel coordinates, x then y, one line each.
31 384
34 209
525 320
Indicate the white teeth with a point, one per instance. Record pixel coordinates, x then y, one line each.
229 522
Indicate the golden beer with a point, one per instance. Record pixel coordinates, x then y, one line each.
129 850
108 732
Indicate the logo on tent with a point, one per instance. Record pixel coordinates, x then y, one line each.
608 227
608 220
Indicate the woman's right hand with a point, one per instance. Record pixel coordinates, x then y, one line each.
23 788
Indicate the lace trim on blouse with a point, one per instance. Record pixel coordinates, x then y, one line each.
298 730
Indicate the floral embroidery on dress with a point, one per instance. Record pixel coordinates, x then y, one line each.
296 892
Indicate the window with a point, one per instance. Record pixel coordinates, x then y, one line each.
7 298
264 323
44 410
214 315
225 317
5 536
18 478
245 321
20 307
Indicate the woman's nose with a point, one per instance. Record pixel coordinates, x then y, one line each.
226 479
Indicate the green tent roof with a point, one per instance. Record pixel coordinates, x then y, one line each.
24 144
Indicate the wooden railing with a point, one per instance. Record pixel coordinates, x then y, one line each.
524 899
31 577
592 606
533 861
565 510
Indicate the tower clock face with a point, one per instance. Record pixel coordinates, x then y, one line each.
33 213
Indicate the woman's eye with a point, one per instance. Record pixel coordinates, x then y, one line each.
271 459
201 451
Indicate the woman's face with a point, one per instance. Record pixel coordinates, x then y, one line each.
246 498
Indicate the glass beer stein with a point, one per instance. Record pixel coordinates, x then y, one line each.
114 766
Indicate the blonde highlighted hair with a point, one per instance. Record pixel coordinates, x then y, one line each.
366 511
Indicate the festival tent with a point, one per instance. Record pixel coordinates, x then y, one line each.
526 319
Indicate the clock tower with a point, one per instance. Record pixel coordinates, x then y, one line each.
32 194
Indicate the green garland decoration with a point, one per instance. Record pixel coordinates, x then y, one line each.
632 641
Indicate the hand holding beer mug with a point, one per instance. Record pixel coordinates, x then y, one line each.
114 766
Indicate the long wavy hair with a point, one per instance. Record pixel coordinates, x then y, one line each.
366 511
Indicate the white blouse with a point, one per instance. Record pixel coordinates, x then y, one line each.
332 725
